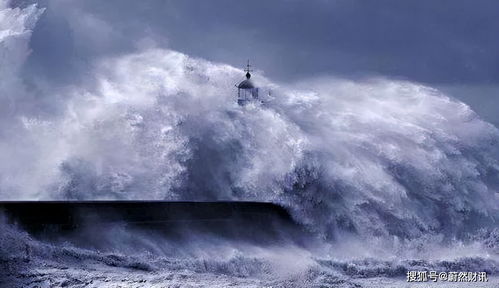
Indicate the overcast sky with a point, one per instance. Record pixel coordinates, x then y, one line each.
448 44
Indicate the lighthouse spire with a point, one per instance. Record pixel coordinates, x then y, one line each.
248 70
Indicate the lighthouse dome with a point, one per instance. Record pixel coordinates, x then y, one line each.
246 84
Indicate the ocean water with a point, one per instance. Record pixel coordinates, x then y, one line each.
390 176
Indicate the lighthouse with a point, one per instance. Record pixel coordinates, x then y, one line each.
246 90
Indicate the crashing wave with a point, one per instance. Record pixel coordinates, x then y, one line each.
379 157
376 157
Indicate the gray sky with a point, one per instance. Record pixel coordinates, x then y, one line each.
448 44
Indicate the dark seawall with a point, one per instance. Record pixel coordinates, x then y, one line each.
254 221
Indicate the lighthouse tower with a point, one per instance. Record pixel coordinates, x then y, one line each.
246 90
